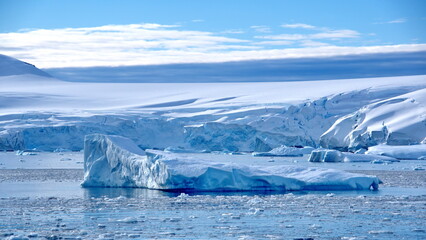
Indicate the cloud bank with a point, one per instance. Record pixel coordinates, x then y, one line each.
293 69
151 43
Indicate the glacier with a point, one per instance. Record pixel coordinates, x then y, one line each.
114 161
226 125
399 120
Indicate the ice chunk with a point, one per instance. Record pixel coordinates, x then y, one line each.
25 153
284 151
183 150
399 152
361 151
328 155
112 161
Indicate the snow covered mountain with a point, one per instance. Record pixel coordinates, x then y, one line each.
46 113
11 66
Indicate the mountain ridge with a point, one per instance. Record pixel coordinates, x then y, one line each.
11 66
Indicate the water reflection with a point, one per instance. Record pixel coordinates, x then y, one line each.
74 190
99 192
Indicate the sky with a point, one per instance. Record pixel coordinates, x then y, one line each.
87 33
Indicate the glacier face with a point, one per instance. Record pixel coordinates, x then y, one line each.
259 129
113 161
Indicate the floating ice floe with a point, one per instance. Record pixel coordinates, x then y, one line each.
329 155
400 152
25 153
284 151
183 150
113 161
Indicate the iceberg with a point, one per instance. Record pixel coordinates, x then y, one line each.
114 161
412 152
331 155
326 155
284 151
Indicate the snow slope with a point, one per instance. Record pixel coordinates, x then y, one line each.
47 114
112 161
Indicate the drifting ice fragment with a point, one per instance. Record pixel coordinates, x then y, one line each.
326 155
400 152
284 151
329 155
113 161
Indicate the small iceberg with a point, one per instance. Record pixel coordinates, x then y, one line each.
284 151
26 152
411 152
114 161
330 155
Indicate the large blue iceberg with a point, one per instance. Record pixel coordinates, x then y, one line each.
114 161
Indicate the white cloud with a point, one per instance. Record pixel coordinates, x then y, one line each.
233 31
278 42
298 25
144 44
310 43
262 29
399 20
284 37
335 34
329 34
152 26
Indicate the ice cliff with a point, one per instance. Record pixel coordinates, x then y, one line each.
113 161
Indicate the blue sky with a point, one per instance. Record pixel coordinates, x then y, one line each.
114 33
